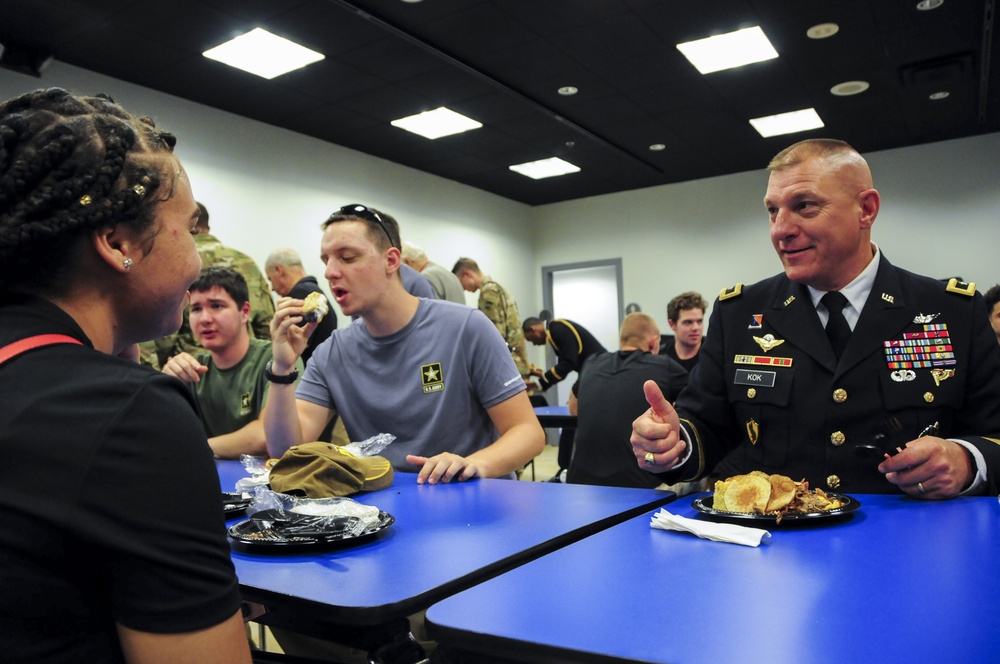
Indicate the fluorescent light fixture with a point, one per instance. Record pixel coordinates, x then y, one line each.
264 54
545 168
787 123
437 123
733 49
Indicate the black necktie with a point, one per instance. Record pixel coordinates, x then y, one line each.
837 329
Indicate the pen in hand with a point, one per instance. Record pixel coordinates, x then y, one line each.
929 430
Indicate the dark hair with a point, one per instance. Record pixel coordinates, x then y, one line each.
70 165
992 296
225 278
383 230
530 322
202 223
688 300
463 264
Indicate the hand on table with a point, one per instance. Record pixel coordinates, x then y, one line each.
443 467
657 432
930 468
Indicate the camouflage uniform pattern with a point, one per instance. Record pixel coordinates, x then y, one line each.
215 254
500 307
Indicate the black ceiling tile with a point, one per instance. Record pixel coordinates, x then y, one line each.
481 28
463 167
391 59
558 16
325 27
253 10
410 15
591 45
330 80
39 23
446 85
387 103
678 22
330 121
497 107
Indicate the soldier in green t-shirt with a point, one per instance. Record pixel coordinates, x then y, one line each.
228 376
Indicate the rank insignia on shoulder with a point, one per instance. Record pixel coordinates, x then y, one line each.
961 287
924 318
728 293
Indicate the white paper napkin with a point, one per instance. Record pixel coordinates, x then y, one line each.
720 532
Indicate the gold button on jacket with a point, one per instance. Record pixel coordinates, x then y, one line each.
838 438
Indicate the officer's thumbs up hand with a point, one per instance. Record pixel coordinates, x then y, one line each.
656 440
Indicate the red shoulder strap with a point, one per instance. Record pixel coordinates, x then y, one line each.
13 350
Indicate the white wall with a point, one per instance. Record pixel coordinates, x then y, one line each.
267 187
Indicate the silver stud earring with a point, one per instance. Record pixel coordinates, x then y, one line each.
127 263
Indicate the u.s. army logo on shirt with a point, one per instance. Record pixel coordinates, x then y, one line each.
432 377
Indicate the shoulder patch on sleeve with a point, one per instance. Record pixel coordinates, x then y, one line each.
961 287
728 293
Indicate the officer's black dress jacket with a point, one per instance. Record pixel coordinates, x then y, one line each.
808 422
573 345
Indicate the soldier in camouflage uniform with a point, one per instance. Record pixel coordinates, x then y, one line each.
215 254
499 307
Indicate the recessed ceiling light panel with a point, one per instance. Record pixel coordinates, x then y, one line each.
657 147
938 96
787 123
264 54
545 168
733 49
437 123
927 5
567 90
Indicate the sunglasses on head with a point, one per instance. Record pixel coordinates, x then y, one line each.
357 210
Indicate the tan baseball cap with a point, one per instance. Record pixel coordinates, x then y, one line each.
325 470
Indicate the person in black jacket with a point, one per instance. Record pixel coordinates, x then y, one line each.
573 344
919 367
608 396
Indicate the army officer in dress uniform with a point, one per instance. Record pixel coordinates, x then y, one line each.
918 367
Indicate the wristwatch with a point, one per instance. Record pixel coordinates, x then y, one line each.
281 380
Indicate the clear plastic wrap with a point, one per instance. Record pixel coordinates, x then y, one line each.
342 515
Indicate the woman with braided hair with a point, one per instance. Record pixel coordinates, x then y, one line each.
112 545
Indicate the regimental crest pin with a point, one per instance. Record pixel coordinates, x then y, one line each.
432 377
920 319
941 375
767 342
753 431
756 322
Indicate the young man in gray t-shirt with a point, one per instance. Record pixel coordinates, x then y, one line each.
435 375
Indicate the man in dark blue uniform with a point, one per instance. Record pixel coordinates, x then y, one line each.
792 382
573 345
